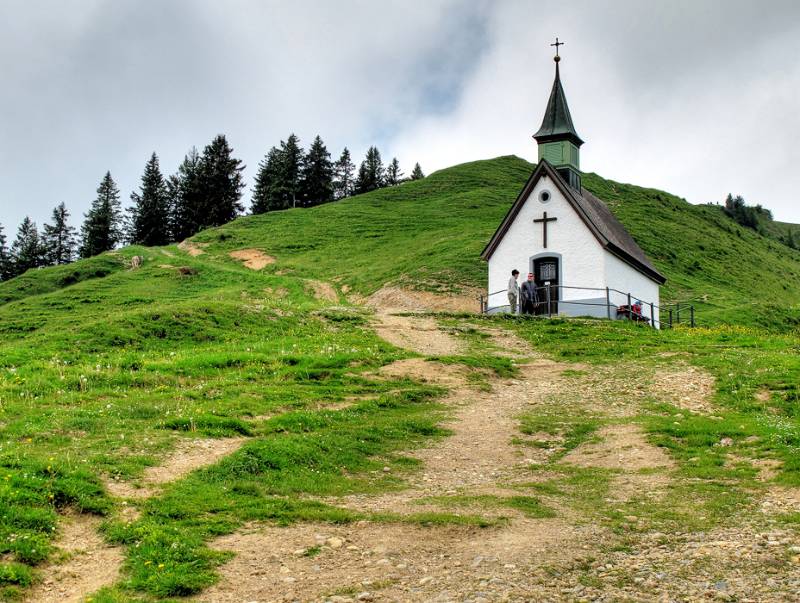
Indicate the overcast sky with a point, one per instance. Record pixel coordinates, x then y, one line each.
696 97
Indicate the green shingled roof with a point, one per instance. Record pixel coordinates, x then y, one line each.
557 123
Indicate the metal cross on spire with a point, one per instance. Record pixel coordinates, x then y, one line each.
557 44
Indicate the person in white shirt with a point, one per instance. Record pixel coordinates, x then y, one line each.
513 291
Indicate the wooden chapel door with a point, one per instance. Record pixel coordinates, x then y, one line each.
546 272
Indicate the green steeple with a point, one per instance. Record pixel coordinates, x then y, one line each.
559 143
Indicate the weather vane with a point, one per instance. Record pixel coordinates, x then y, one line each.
557 44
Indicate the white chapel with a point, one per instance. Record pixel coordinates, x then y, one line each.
584 260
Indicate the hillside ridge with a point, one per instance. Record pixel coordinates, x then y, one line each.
428 234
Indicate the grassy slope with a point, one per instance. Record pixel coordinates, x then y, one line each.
429 234
101 368
102 376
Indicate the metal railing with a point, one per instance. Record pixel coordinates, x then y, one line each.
633 308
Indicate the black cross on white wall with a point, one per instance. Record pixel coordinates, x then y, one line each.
544 220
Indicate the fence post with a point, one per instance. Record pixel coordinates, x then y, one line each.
670 318
691 316
678 312
483 307
652 315
630 310
549 308
608 304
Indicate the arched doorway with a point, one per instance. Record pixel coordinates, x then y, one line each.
547 271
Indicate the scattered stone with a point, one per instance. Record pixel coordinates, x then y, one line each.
334 542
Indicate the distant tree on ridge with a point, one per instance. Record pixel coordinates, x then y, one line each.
185 198
343 174
220 184
58 238
26 252
416 173
370 173
102 229
317 175
393 173
149 215
5 258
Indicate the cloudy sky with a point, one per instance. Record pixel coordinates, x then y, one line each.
696 97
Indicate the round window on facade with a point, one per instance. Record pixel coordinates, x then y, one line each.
544 196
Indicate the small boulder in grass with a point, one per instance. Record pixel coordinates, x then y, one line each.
187 271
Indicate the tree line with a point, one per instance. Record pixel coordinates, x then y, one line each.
756 217
205 191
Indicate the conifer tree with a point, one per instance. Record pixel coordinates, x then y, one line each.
58 238
393 173
26 252
317 175
266 192
291 170
343 171
149 216
221 184
370 173
5 258
417 174
185 197
102 228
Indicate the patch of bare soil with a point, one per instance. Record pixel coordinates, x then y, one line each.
379 562
621 447
416 333
685 386
193 249
322 290
781 499
252 258
425 370
408 300
188 456
88 563
509 345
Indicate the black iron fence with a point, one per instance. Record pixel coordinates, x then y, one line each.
601 302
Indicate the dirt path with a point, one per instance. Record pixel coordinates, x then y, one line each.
89 563
406 561
187 456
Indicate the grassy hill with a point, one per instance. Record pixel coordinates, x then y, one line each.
104 369
429 234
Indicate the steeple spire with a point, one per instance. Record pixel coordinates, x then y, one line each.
558 141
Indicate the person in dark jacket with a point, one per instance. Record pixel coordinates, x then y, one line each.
528 295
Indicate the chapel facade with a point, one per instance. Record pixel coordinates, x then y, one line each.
584 260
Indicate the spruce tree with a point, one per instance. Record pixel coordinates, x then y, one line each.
393 173
185 197
102 228
266 192
221 184
291 171
26 252
149 222
5 258
317 175
370 173
417 174
58 238
343 171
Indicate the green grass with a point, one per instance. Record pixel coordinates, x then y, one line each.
428 234
104 370
106 375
